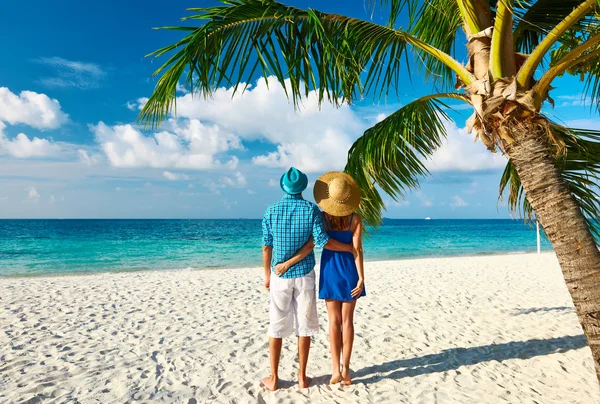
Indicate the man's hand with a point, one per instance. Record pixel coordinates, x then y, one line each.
281 268
268 282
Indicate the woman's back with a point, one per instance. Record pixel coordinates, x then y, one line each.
338 268
343 236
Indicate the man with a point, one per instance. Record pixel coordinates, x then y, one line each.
287 226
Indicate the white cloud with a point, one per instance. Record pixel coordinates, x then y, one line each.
32 194
461 153
22 147
458 202
572 100
425 200
238 181
71 73
181 88
313 138
251 192
30 108
86 158
174 176
187 144
380 117
3 198
273 183
399 204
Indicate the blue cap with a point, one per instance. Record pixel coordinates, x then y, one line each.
293 181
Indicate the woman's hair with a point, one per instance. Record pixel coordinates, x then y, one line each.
338 222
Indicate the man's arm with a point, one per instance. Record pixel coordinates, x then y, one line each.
282 267
267 255
267 249
335 245
321 237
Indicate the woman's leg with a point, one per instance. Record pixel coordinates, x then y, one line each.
347 338
334 311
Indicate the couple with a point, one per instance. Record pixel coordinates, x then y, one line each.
291 229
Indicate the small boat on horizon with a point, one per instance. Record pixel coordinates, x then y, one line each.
427 218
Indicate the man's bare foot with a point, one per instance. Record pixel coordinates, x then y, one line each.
303 381
346 380
335 378
270 383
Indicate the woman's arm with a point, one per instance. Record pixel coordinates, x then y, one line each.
282 267
357 243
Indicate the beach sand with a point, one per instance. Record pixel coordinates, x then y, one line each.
448 330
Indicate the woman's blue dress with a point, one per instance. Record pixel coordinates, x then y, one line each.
338 269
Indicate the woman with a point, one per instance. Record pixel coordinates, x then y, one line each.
341 280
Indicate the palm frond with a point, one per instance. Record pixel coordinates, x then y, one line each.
437 22
389 156
582 60
579 166
394 8
342 58
561 30
534 19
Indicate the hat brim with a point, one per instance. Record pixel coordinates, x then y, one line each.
329 205
295 188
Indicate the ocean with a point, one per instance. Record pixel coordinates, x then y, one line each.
41 247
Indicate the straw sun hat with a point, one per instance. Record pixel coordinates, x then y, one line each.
337 193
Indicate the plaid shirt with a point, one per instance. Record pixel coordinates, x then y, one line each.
287 226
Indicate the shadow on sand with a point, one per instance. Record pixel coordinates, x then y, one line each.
544 309
454 358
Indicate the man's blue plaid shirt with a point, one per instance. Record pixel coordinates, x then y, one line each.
287 226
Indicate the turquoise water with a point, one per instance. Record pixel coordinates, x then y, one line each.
40 247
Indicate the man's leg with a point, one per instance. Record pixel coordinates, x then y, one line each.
304 306
281 324
275 354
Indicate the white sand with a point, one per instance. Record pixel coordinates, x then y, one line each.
453 330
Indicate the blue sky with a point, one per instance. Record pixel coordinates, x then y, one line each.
72 80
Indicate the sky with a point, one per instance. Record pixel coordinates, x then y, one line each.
74 75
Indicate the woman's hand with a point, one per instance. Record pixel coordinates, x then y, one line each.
358 289
281 268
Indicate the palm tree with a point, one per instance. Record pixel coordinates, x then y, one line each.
552 170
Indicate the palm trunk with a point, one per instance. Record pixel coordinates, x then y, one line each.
565 226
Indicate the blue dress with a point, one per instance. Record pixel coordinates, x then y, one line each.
338 269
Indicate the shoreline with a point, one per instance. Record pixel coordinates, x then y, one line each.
152 270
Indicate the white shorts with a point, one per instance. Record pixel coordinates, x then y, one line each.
293 306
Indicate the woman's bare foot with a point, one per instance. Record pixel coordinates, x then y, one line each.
303 381
335 378
346 380
270 383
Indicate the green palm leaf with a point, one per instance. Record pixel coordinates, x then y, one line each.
533 21
579 166
437 22
342 58
389 156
